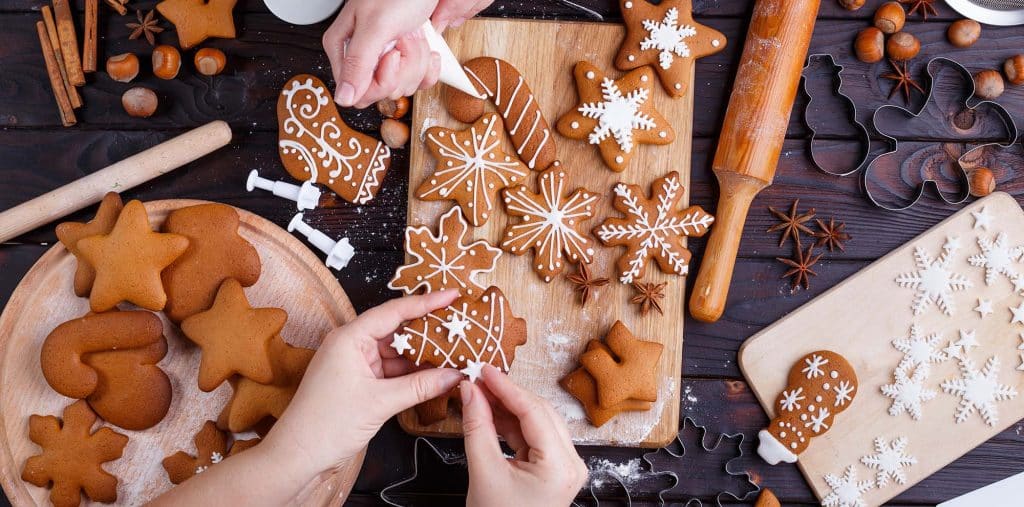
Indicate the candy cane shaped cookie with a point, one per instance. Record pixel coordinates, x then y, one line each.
507 89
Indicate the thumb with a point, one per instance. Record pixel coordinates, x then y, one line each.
400 393
482 448
362 54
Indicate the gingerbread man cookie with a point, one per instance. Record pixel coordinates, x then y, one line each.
471 168
502 83
72 457
549 223
616 115
444 261
581 385
315 144
665 37
626 369
198 20
211 448
215 253
653 228
69 233
252 401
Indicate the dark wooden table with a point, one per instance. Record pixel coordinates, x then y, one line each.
37 155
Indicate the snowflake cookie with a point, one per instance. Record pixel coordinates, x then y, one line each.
847 491
889 460
445 260
549 223
979 390
653 228
934 279
616 115
909 392
997 258
666 37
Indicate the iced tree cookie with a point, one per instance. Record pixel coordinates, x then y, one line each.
69 233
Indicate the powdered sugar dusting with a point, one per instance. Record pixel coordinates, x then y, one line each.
629 472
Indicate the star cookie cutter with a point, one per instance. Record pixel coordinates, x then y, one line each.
445 458
836 88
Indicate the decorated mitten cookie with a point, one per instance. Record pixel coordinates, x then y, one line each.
315 144
665 37
502 83
616 115
820 385
69 233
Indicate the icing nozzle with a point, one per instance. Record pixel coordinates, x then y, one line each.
306 196
339 253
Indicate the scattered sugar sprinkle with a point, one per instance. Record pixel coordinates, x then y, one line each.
601 470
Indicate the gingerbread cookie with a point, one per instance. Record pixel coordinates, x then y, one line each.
767 499
110 360
444 261
820 385
211 448
70 232
215 253
315 144
234 337
435 410
72 457
471 168
653 228
550 223
473 331
665 37
128 261
198 20
502 83
625 370
252 401
616 115
581 385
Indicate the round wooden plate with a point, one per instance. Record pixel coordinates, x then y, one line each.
293 278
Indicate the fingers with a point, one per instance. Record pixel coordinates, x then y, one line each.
535 420
433 73
334 41
399 393
482 449
381 321
360 60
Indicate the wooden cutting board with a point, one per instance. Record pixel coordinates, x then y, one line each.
545 53
292 278
861 317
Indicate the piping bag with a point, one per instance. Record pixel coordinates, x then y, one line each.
307 12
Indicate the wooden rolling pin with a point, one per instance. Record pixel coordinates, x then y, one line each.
752 136
128 173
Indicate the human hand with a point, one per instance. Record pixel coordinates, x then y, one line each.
546 469
453 13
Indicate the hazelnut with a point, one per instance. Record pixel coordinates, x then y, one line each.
851 5
1014 69
123 67
166 62
889 17
139 102
869 45
902 46
964 33
394 133
393 108
988 84
210 61
982 181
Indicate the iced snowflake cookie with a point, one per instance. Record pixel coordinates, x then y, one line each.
471 332
549 223
315 144
820 385
446 260
665 37
471 168
653 228
502 83
616 115
211 448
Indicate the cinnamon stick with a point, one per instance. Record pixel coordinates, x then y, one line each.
67 114
68 42
117 6
90 41
51 31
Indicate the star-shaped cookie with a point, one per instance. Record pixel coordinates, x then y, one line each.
616 115
197 20
631 374
666 37
234 337
69 233
580 384
253 401
128 261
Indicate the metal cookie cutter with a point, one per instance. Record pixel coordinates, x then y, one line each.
837 92
421 445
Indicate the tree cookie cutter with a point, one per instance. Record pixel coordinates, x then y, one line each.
837 92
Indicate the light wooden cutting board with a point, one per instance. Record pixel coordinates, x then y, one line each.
545 53
860 318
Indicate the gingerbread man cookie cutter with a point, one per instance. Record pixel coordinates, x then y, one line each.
836 87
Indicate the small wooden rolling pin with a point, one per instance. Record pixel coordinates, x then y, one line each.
128 173
752 136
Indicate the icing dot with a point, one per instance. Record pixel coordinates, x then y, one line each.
810 408
834 374
590 74
462 357
619 159
826 386
817 398
628 5
782 434
793 445
575 124
715 43
782 424
679 86
803 417
631 58
663 134
643 79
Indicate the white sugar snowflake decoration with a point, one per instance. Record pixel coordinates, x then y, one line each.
997 258
791 399
934 280
918 350
909 392
978 390
818 422
847 491
814 364
618 115
844 392
982 218
1021 349
889 460
216 457
668 37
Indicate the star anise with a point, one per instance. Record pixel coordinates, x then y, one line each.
831 234
925 6
585 283
792 224
800 268
904 80
648 295
147 26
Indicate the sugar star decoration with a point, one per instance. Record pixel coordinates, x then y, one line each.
846 491
1018 314
889 460
400 342
197 20
456 325
909 393
919 350
934 280
982 219
473 370
979 390
997 258
616 114
984 307
666 37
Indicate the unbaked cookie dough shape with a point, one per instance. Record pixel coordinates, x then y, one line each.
315 143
